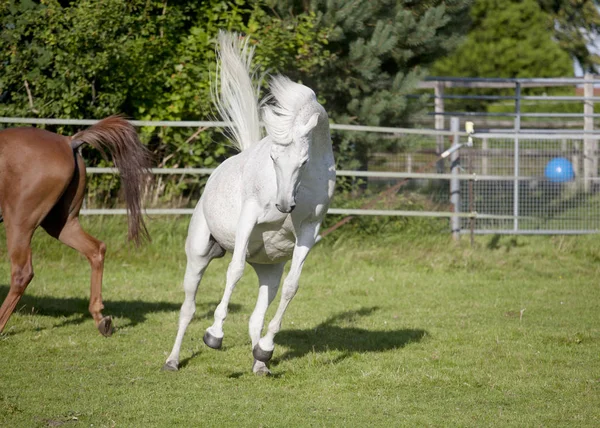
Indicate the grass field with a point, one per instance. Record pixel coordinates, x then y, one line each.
386 330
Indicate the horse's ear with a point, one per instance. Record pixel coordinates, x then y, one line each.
312 122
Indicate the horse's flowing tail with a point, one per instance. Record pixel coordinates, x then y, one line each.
234 96
118 137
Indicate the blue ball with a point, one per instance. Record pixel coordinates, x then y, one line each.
559 170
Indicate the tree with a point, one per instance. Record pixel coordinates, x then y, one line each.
576 28
148 59
91 59
380 51
78 61
185 95
507 39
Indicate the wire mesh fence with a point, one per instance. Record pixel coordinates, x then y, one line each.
547 185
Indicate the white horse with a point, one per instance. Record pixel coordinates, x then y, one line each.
264 204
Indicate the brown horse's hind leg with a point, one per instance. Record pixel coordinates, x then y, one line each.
21 269
75 237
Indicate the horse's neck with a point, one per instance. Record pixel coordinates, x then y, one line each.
320 146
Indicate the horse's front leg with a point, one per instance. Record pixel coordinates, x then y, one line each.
307 236
248 218
269 277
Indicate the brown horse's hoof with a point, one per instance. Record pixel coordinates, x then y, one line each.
105 326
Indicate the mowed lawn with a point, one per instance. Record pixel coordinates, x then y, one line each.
389 330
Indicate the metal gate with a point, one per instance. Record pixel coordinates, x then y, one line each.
540 183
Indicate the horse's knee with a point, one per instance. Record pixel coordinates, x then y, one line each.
289 290
95 308
97 257
188 309
235 270
20 278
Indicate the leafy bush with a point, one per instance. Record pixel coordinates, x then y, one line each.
147 59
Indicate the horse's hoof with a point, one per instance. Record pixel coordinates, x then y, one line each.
260 369
263 371
105 326
261 355
170 366
212 341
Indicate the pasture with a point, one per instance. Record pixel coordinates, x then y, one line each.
397 329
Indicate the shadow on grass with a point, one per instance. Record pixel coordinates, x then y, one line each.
135 311
328 336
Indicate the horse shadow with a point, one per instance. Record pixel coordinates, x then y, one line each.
76 308
329 336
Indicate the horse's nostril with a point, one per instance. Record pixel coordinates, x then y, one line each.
285 211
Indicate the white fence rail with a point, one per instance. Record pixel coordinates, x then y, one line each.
512 146
215 124
207 171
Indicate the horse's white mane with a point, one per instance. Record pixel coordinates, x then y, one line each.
290 97
234 96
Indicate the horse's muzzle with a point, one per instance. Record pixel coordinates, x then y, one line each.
284 210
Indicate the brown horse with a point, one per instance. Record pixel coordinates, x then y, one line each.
42 183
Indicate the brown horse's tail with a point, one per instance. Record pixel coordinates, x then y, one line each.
118 137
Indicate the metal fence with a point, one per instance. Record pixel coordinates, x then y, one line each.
506 183
543 184
543 178
518 103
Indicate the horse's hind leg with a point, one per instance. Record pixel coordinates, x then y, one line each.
72 234
269 277
21 270
200 249
27 200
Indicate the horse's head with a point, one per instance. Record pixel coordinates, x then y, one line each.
289 160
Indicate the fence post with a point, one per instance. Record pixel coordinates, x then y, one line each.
409 162
516 156
484 156
576 161
439 123
590 146
454 181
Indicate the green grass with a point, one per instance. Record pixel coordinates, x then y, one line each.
389 330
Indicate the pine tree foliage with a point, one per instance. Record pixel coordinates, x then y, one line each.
508 39
380 51
577 29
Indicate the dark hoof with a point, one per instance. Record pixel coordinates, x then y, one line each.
212 341
105 326
261 355
170 366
